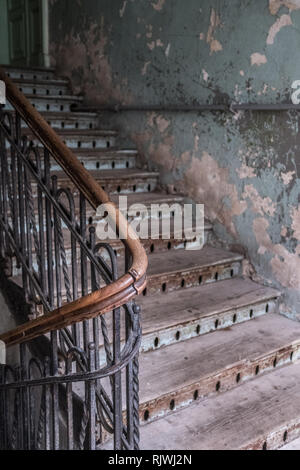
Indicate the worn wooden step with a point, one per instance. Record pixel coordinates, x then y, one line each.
112 158
54 87
98 159
261 414
29 73
189 313
82 139
108 159
123 181
51 103
201 310
147 199
214 363
70 120
188 268
172 239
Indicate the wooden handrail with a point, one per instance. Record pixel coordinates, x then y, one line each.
111 296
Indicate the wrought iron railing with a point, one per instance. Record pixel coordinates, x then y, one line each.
85 386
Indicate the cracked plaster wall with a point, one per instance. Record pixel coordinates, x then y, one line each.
244 167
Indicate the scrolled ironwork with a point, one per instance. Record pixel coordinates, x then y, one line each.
59 401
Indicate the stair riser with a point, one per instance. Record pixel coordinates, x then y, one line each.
122 186
167 283
99 163
159 246
151 245
219 321
92 142
46 104
71 124
113 163
195 328
220 382
154 246
30 74
277 438
43 90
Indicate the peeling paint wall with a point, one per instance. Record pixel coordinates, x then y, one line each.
243 167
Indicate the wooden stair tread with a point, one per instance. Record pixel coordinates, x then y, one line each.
246 417
191 361
74 98
64 133
186 305
105 152
67 115
189 260
40 81
150 198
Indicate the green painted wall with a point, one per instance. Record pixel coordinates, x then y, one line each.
244 167
4 51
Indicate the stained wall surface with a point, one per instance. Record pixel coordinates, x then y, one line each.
243 166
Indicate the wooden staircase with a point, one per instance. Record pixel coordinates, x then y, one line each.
218 365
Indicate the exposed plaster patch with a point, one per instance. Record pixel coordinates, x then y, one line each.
86 55
162 124
145 67
215 23
285 265
260 205
205 75
242 73
209 184
287 177
246 172
162 154
275 5
258 59
284 20
201 36
295 214
122 11
158 6
158 121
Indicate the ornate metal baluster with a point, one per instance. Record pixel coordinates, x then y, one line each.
55 397
56 248
92 400
13 167
23 238
49 237
69 391
38 228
